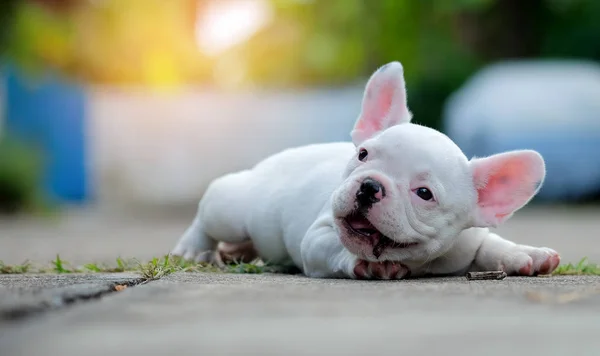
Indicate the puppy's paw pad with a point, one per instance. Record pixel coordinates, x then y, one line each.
548 263
361 270
380 270
527 269
531 261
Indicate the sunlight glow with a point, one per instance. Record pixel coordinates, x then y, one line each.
223 24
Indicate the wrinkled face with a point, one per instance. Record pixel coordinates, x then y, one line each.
409 190
407 194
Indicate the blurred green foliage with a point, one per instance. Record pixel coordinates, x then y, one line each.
7 9
109 41
441 43
20 176
308 42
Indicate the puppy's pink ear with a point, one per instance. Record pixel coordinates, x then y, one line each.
384 103
505 183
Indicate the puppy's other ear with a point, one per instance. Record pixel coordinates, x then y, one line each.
384 103
505 183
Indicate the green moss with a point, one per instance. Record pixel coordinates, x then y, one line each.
583 267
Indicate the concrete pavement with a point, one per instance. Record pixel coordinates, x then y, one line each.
218 314
84 236
225 314
26 295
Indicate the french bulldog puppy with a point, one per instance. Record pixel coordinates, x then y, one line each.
399 200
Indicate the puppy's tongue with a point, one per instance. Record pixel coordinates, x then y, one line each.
361 224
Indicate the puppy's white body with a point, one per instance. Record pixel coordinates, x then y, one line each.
428 213
274 203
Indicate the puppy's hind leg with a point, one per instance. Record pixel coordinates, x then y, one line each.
220 217
228 252
194 244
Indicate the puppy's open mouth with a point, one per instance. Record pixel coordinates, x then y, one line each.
360 225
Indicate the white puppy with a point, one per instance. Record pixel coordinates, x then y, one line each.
402 200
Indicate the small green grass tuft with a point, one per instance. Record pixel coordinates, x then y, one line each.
122 265
583 267
253 268
151 270
92 267
60 266
168 264
159 267
25 267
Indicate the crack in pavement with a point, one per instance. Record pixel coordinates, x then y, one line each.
33 296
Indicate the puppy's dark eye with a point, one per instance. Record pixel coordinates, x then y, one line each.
362 154
424 193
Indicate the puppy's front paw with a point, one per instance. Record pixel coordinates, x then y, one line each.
530 261
380 270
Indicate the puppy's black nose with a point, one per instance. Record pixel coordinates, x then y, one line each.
370 192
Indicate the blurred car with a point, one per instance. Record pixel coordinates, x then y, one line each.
551 106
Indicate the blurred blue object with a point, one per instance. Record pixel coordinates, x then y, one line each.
50 113
549 106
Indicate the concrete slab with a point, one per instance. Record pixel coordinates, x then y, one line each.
219 314
23 295
85 236
212 314
90 236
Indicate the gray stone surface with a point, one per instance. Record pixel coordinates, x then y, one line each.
213 314
90 235
217 314
85 236
23 295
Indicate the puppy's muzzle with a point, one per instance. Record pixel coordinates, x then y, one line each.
369 192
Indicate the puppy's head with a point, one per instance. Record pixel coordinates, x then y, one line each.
409 190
